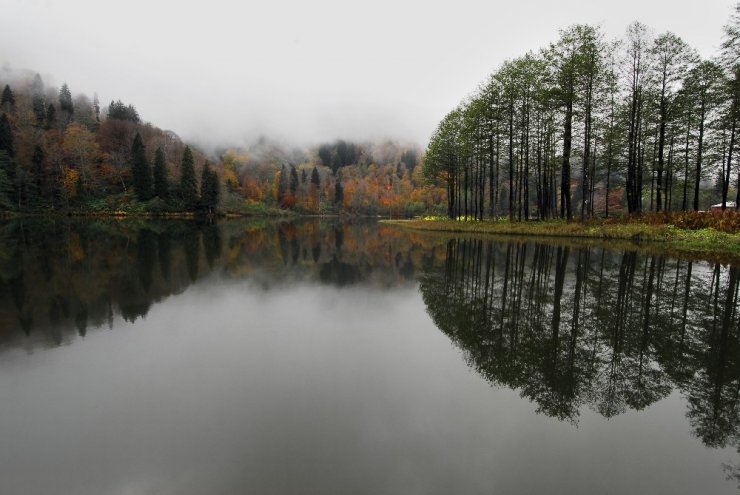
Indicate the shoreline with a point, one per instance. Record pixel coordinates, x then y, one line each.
705 243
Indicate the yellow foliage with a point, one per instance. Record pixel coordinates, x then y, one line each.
71 179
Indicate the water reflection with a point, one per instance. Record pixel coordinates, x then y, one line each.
571 328
60 278
587 327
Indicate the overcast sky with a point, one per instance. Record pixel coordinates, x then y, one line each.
304 71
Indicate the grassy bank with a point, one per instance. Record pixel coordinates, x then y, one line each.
702 241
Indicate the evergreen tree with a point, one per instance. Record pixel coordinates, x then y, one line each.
6 136
37 100
37 168
140 170
119 110
8 100
210 188
51 116
304 177
315 180
282 186
96 107
6 181
65 100
160 174
293 180
188 184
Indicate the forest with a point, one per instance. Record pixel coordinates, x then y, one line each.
590 126
585 127
60 153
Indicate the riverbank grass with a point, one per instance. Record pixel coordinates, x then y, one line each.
697 240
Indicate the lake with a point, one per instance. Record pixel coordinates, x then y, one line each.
171 357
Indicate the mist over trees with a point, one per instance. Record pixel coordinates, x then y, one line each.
63 152
589 126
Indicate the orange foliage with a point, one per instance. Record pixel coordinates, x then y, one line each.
71 180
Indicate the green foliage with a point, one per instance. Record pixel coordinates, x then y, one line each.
293 186
65 100
118 110
161 187
209 189
188 184
140 170
6 184
6 136
37 100
51 116
7 102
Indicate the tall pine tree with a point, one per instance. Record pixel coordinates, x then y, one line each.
160 175
140 170
6 136
209 188
65 102
7 102
188 184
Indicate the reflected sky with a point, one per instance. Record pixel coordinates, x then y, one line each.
233 384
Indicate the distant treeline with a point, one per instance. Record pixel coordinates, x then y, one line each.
589 126
65 153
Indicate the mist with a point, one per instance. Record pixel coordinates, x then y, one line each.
224 74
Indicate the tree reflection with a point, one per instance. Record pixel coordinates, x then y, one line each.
59 279
586 327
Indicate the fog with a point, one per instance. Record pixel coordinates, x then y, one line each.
225 72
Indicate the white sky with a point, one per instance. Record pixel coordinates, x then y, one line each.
305 71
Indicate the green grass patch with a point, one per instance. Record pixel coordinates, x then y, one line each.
701 241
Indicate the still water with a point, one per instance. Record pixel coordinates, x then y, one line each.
317 357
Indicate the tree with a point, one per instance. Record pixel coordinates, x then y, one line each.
161 187
6 136
672 59
7 102
81 151
96 107
338 193
636 60
282 186
314 192
65 102
442 156
702 84
325 154
140 171
188 184
293 186
315 180
37 168
51 117
563 57
730 57
37 100
119 110
209 188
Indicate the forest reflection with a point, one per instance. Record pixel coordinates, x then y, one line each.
574 327
58 279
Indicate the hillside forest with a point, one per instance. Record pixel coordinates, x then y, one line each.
60 152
